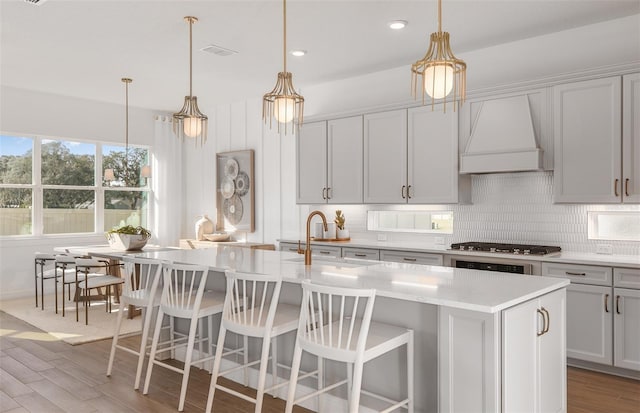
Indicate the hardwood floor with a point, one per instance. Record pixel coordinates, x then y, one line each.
40 374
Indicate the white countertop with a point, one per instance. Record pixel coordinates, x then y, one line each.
628 261
482 291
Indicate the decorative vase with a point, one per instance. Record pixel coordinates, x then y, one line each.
203 226
342 233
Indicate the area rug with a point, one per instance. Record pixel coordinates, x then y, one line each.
101 323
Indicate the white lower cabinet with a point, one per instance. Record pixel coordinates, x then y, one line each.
589 323
423 258
511 361
361 253
533 355
627 328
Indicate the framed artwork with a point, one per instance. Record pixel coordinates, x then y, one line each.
235 191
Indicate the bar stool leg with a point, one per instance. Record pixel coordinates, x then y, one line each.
295 369
356 385
274 366
116 335
262 377
216 368
410 372
154 348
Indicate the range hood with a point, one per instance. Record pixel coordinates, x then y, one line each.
502 138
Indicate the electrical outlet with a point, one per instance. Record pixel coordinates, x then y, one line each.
604 249
382 237
439 241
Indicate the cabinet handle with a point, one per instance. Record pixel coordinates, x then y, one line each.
615 187
323 193
606 303
293 250
360 255
575 273
409 192
548 322
618 304
539 333
325 252
402 192
626 187
409 259
328 193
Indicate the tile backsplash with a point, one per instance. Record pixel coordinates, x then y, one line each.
509 207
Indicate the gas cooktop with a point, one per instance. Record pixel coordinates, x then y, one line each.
505 248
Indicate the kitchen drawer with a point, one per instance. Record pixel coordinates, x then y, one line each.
626 278
326 251
287 246
360 253
423 258
581 274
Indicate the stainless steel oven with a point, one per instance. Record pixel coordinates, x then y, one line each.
514 266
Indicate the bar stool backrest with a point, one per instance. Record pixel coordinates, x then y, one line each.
183 288
141 274
250 303
334 322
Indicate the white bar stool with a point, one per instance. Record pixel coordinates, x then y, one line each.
251 309
140 289
184 296
335 326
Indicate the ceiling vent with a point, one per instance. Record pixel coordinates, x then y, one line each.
36 2
218 50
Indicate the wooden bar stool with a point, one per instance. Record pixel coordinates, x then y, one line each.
251 309
335 324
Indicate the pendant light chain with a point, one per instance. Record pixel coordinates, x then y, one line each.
439 15
190 56
284 35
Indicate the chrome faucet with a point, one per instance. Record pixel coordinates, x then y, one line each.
307 250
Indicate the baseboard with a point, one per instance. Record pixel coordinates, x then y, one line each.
604 368
330 403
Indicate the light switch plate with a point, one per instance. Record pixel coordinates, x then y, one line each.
382 237
604 249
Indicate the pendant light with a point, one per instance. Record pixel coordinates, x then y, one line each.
190 122
283 103
439 71
109 174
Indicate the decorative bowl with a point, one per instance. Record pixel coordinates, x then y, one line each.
217 236
127 242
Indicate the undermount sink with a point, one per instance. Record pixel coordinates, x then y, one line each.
335 262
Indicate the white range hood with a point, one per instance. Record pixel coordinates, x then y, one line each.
502 138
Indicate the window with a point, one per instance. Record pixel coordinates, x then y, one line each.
50 186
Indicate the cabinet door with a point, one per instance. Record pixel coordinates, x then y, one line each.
589 323
552 355
311 163
432 155
344 162
627 328
631 138
588 140
385 157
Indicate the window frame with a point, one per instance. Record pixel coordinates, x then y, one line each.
37 187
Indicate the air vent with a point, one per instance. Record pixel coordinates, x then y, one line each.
218 50
36 2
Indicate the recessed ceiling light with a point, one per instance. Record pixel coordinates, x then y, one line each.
398 24
298 52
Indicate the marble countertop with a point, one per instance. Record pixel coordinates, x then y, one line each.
628 261
482 291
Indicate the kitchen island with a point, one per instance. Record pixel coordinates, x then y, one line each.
484 341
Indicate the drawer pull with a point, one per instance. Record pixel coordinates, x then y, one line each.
402 191
548 322
409 259
618 304
360 255
409 191
582 274
325 252
626 187
606 303
615 187
293 250
539 333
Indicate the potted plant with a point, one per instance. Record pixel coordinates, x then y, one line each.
342 233
128 237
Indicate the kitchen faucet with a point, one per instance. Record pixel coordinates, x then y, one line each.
307 251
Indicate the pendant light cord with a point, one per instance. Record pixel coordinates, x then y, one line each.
190 57
284 42
439 15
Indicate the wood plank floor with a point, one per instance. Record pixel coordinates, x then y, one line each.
39 374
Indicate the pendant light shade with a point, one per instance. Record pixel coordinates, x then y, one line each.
190 122
283 103
439 72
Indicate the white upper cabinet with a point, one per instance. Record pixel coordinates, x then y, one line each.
589 143
631 138
329 162
344 161
312 163
432 157
411 156
385 157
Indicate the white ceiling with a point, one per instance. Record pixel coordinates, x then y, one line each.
82 48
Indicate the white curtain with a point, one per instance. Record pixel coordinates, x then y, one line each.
166 183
